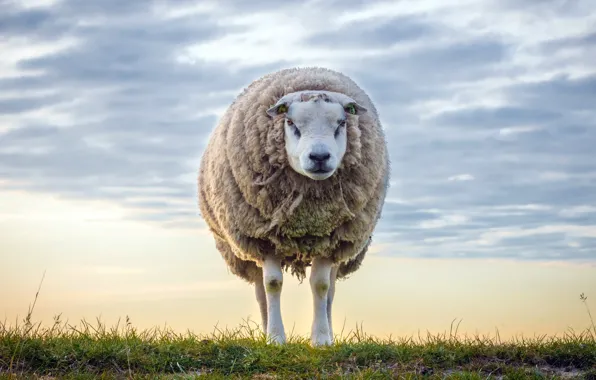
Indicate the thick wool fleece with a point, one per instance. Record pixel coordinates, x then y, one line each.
255 203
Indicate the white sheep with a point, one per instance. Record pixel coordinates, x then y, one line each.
295 175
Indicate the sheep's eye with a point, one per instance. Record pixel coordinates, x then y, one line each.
294 127
341 123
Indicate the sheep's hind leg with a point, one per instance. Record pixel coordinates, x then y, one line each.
272 281
320 281
261 297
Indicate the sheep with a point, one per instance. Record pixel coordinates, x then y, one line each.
295 175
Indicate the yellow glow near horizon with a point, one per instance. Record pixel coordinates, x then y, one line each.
98 264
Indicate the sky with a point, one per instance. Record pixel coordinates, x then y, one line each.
488 108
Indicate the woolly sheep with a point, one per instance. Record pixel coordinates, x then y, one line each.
295 175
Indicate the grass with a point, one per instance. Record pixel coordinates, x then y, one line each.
92 350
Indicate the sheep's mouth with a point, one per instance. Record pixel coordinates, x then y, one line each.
319 173
320 170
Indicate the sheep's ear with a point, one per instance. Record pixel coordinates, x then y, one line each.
278 109
354 108
350 105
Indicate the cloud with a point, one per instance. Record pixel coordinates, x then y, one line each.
461 177
384 33
488 108
578 211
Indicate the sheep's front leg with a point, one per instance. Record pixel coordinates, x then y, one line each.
261 297
330 295
320 281
272 281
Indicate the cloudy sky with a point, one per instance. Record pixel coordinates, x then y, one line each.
105 107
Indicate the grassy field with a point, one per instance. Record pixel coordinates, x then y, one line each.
92 350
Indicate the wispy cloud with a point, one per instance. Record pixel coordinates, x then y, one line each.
461 177
488 108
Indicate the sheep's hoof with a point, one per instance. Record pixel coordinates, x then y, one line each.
276 339
320 339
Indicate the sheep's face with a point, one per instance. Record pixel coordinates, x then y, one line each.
315 130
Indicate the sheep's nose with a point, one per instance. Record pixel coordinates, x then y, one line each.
319 157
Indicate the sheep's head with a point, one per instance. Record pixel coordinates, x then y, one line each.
315 130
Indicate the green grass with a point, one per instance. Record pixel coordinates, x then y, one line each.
28 350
